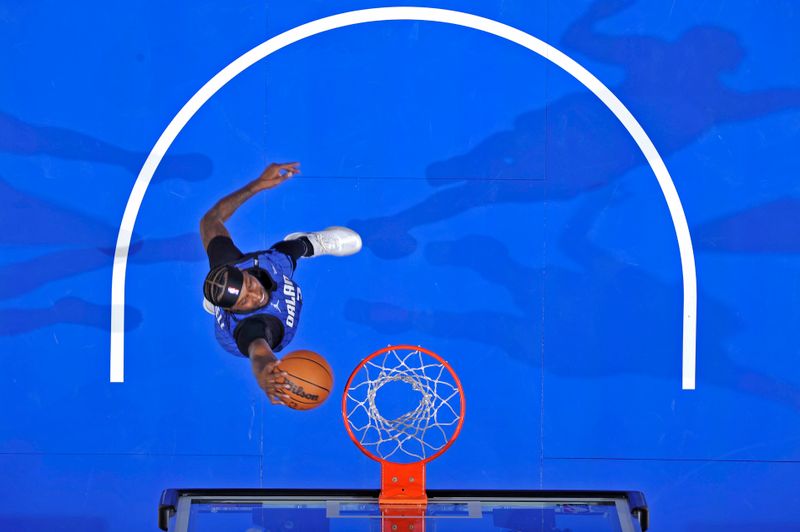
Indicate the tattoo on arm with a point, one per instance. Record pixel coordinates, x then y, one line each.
213 222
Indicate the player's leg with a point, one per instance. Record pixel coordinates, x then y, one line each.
295 248
337 241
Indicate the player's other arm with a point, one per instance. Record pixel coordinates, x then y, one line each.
583 36
266 369
213 222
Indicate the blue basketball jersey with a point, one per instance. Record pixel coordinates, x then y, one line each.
284 304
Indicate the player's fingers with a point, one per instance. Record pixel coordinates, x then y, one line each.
273 400
277 371
275 374
278 179
278 387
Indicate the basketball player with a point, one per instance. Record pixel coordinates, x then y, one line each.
255 302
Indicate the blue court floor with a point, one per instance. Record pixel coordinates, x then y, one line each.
510 221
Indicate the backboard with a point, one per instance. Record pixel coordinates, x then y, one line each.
279 510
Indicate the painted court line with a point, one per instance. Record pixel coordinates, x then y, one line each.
117 369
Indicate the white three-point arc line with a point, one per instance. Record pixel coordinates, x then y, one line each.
418 14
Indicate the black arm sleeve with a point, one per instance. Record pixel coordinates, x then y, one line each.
260 326
222 250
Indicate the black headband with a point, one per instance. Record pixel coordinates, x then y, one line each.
223 285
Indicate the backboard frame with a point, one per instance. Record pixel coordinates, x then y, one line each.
176 502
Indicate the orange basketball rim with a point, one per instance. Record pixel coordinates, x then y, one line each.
403 444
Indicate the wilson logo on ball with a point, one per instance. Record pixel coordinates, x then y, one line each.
299 391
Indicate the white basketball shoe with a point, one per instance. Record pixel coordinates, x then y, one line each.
337 241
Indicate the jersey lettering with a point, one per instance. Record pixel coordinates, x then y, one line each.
291 300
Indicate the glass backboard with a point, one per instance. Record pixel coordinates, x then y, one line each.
208 510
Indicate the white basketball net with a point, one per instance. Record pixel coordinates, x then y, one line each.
413 435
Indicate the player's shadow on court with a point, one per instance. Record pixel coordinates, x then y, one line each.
26 139
575 144
770 228
30 275
89 242
68 310
604 317
33 222
40 223
79 241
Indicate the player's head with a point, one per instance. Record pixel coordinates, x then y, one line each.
230 288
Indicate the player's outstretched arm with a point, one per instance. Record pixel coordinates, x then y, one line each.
266 368
584 37
213 222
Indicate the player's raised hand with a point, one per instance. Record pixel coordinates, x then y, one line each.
275 174
271 381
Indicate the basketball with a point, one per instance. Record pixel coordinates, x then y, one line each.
310 379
